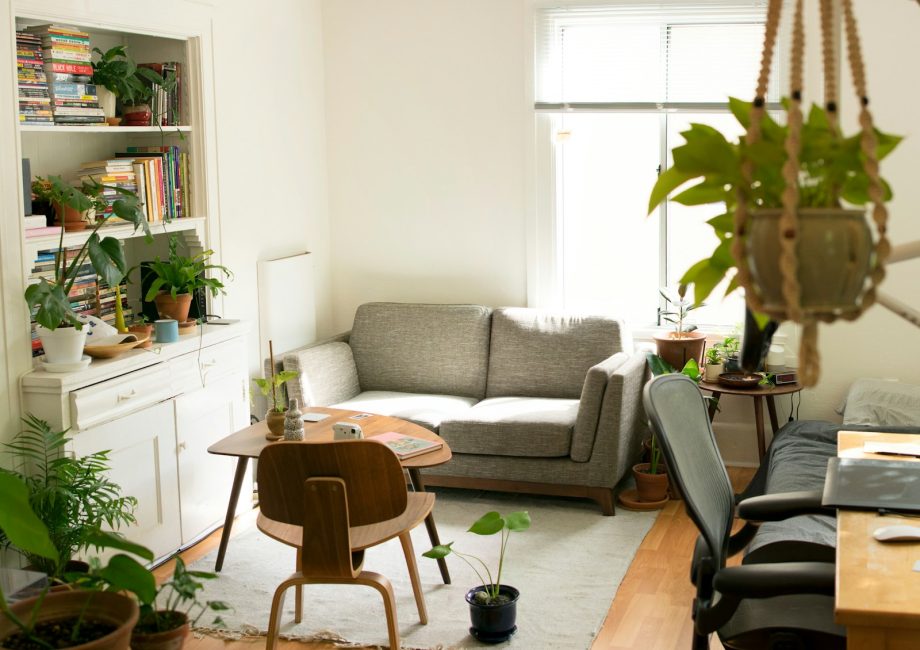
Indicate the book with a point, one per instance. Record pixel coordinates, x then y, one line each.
36 221
43 232
406 446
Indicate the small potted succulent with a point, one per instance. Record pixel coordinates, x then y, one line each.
176 279
684 342
493 606
142 326
273 388
715 359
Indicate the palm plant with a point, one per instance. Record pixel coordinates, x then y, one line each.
71 495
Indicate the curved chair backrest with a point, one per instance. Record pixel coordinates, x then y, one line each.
374 479
680 420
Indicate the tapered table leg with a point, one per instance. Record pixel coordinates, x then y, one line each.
758 422
771 407
419 486
714 404
241 465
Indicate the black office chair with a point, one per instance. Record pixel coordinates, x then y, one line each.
777 606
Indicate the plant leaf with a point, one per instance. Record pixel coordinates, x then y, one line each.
108 258
126 573
489 524
102 539
19 522
439 551
668 181
657 365
518 520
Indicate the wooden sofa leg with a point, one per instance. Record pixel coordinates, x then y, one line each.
604 498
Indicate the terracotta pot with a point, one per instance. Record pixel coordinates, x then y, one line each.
275 421
175 308
650 487
493 623
172 639
143 329
678 351
107 606
835 247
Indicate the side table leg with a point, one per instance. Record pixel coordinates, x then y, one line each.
771 407
241 464
419 486
758 421
714 404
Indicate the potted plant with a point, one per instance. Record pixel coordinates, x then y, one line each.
61 333
684 342
72 618
142 326
117 76
177 278
652 480
71 495
165 619
715 357
272 388
493 606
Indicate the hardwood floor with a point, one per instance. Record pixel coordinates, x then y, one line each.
651 610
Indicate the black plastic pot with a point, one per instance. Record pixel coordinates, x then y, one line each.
493 623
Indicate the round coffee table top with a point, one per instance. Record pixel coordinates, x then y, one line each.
753 391
251 440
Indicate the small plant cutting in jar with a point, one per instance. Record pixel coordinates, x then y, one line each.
684 342
62 333
273 388
493 606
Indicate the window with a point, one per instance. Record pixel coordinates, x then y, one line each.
614 88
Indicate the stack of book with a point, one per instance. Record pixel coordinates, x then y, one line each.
166 180
34 102
82 295
66 57
113 173
36 225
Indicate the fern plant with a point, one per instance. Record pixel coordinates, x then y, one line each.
71 495
179 274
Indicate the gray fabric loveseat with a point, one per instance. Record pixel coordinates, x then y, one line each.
529 401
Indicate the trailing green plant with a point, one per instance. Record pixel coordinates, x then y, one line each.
71 495
180 274
272 386
683 307
176 601
129 82
489 524
21 525
831 173
105 254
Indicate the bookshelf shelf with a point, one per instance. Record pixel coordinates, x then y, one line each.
125 231
111 130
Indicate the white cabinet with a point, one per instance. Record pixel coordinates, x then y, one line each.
157 412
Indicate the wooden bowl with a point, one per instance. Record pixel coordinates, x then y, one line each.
740 379
109 350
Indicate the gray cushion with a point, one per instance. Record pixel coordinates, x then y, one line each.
534 353
425 410
413 348
327 374
513 426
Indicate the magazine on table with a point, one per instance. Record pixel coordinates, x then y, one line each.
407 446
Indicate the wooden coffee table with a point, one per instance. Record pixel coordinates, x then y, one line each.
249 443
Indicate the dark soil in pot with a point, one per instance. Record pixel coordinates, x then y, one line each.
60 634
493 622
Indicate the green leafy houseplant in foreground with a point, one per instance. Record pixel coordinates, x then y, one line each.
831 174
179 274
489 524
105 254
272 387
71 495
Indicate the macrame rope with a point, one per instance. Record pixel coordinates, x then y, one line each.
827 56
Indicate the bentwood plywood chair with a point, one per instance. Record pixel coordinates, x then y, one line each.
332 501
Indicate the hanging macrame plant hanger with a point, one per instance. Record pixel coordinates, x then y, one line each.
810 265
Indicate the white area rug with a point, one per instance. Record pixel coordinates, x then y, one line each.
568 567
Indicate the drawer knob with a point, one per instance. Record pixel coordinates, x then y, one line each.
126 396
182 446
208 364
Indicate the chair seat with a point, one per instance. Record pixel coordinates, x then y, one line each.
418 505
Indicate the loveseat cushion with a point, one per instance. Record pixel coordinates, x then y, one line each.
424 410
416 348
326 374
513 426
534 353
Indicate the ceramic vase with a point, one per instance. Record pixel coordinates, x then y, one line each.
293 421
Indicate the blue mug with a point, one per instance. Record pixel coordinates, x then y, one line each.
167 330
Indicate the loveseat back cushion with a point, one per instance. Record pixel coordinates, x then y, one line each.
536 353
326 374
417 348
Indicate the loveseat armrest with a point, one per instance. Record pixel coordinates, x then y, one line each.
589 405
326 374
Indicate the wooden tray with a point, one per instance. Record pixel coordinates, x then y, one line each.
108 351
740 379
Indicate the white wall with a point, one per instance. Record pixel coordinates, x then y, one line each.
425 116
427 127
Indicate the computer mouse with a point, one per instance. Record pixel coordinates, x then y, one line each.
900 533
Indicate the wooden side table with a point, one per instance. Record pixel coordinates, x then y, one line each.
757 393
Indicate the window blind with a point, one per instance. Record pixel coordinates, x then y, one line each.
630 55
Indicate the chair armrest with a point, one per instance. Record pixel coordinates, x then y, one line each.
589 405
776 507
326 374
778 579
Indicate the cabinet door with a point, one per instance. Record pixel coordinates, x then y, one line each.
143 463
202 418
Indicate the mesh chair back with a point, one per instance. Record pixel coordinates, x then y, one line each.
374 480
680 420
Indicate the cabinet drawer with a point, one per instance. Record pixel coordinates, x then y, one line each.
117 397
218 361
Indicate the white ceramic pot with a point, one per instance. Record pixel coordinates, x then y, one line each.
106 100
63 345
713 370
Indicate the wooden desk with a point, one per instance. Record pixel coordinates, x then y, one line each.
758 393
878 592
249 442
